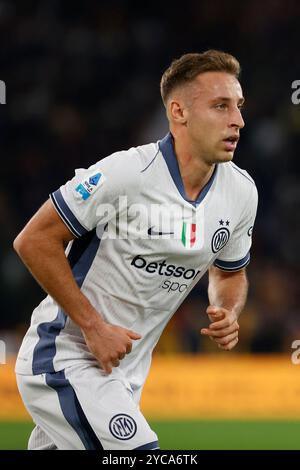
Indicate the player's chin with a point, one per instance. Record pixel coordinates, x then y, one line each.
226 156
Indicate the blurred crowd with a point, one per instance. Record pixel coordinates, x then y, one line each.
82 82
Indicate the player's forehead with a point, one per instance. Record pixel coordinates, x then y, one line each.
210 86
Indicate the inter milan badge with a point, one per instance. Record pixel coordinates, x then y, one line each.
220 237
122 427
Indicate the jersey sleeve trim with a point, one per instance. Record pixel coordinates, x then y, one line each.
233 265
66 214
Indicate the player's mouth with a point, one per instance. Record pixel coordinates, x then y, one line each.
231 142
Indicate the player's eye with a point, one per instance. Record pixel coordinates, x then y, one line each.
221 106
241 106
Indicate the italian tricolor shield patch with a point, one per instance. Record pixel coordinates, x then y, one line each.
188 234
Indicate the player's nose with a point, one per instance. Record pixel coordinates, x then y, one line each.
236 119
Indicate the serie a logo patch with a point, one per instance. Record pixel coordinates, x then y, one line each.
89 186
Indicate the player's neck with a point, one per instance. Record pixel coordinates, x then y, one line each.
195 173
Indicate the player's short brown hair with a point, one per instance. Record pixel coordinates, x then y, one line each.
188 66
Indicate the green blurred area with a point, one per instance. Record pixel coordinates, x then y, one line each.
200 435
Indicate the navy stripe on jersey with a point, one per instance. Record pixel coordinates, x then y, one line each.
167 150
67 215
45 349
81 257
151 446
149 164
233 265
72 410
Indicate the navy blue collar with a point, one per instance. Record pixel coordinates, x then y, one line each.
167 150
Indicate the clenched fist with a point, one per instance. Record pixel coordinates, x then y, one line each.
224 328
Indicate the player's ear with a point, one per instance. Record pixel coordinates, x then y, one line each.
177 111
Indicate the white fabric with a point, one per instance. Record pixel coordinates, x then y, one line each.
102 400
139 283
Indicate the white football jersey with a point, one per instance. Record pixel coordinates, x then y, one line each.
140 247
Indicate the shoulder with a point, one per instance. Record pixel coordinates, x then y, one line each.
132 160
122 170
241 187
147 154
238 180
241 174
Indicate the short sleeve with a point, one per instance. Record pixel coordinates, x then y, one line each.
236 253
89 196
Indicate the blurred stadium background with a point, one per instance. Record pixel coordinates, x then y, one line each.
82 81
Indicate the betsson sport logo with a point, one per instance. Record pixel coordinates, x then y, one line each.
167 270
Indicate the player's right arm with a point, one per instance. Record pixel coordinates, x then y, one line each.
41 246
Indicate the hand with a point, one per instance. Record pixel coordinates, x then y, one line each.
109 343
224 327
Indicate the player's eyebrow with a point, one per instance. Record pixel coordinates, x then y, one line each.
225 98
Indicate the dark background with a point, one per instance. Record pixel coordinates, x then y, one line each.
82 81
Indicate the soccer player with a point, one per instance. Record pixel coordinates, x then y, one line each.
116 270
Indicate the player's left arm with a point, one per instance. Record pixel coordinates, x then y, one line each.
227 292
